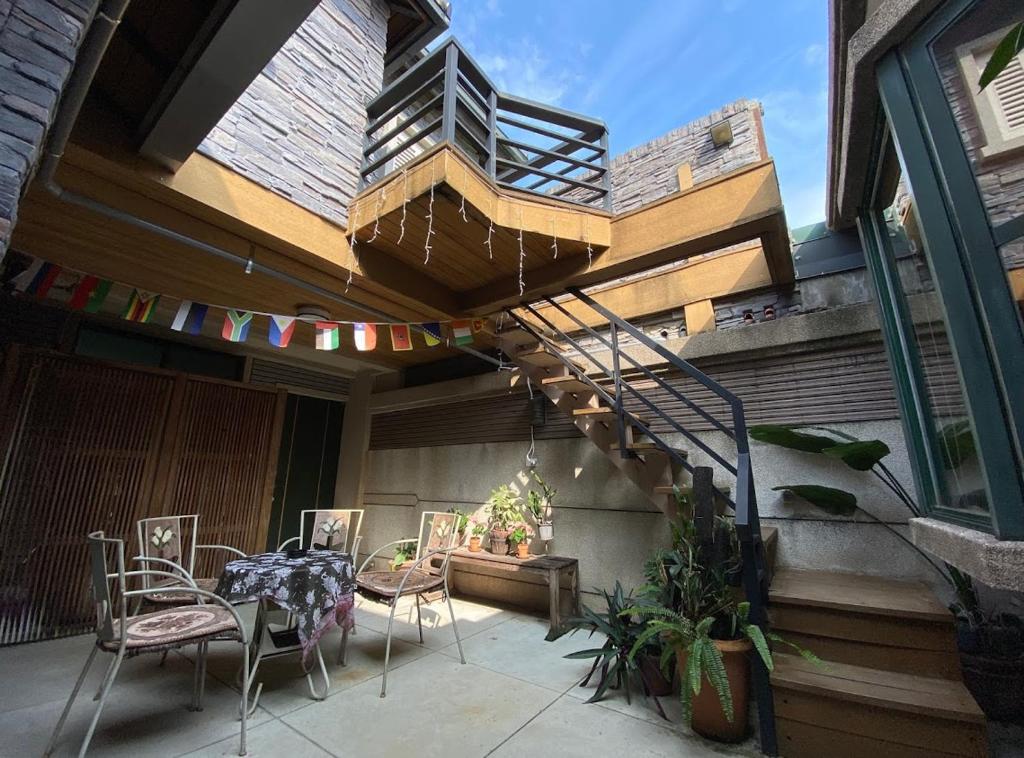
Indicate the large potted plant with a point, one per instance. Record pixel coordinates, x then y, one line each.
612 659
694 609
505 508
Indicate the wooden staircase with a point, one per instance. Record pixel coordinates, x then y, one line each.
892 684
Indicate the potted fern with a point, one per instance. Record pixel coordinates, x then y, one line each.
540 505
505 508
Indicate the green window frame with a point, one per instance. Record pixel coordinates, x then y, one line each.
970 281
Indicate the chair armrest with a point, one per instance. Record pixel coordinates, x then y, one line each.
355 546
427 557
189 580
382 547
195 591
234 550
285 543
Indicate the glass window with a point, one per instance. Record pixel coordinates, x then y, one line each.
946 426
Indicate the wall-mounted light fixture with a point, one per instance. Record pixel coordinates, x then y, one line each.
721 134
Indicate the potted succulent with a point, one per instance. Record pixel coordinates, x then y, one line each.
474 539
621 631
505 508
520 537
540 504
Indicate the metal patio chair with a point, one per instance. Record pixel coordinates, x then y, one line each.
169 543
209 619
437 538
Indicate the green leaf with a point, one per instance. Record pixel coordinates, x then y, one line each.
1010 46
592 653
755 635
861 456
787 436
829 499
714 667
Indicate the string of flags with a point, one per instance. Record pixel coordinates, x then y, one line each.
88 293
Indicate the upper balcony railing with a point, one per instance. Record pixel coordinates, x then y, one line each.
521 144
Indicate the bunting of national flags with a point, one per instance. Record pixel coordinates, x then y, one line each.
86 292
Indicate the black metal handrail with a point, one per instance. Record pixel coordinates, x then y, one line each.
746 517
521 144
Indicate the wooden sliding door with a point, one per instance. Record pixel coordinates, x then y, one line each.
86 445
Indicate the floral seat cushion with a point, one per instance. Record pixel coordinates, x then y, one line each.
178 598
385 583
174 626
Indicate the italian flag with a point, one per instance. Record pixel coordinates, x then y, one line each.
327 335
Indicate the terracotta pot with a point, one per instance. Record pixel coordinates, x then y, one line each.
474 544
499 541
658 684
708 718
546 531
522 550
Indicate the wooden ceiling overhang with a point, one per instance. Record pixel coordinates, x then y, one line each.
737 207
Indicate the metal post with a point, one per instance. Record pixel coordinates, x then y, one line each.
451 89
624 451
492 135
606 178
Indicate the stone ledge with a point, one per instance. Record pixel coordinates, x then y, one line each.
996 563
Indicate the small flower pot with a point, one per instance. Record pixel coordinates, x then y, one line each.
546 531
474 544
499 541
522 550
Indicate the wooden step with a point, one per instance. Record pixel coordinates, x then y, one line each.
667 489
648 447
567 384
543 358
865 620
852 711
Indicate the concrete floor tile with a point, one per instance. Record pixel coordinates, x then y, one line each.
570 728
517 648
472 618
272 739
145 714
435 707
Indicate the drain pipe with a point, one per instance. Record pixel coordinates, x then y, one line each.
101 30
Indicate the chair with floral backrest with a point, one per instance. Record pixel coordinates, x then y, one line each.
208 619
169 543
331 529
437 538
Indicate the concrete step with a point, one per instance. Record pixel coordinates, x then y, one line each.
865 620
858 711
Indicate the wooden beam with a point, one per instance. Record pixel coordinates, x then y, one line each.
724 274
736 207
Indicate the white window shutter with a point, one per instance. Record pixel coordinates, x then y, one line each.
1008 89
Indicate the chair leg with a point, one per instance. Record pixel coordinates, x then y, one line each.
419 618
455 627
343 650
244 706
103 699
323 671
387 649
103 682
67 708
199 677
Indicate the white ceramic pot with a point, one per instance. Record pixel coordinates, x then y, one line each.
546 531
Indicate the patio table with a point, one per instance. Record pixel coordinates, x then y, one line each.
316 588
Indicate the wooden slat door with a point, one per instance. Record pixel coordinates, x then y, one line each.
223 464
80 449
87 445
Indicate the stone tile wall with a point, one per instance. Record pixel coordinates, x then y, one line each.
297 129
649 172
39 40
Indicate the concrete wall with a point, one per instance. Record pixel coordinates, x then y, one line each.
649 172
39 40
297 129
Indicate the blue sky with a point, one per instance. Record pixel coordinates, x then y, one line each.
648 66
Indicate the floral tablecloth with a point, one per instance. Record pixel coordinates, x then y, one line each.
318 588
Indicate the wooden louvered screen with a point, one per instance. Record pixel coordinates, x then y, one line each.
82 445
223 466
87 445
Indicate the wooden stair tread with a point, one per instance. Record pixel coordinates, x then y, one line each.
648 447
542 358
858 594
567 384
940 698
666 489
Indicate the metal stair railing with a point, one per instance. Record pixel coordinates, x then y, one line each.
744 506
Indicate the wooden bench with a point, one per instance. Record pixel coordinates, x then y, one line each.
517 581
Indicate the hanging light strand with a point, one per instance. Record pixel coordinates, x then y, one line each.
490 231
381 195
430 216
405 203
554 239
352 246
462 205
522 255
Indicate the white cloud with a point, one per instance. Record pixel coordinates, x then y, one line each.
814 54
529 74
